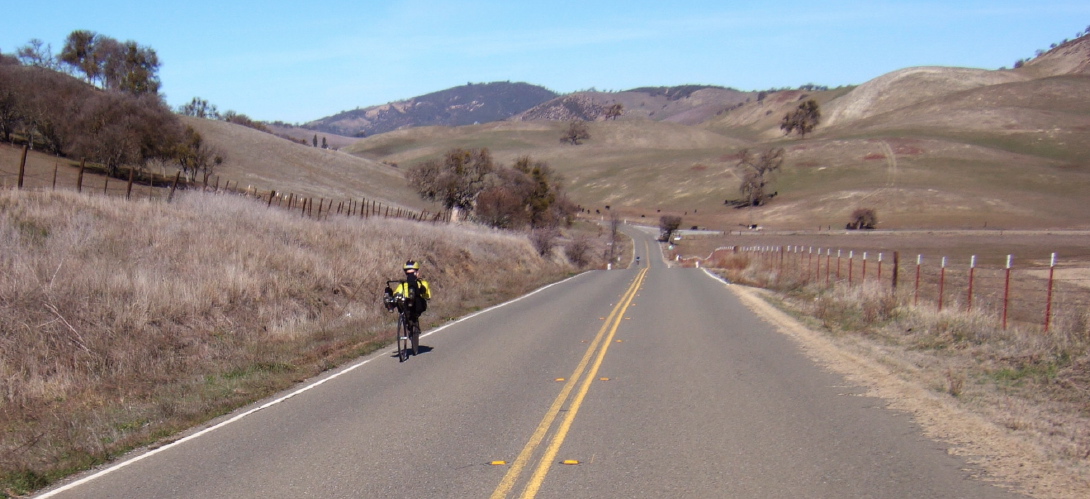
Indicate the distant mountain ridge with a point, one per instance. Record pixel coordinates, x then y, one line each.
499 101
685 104
461 105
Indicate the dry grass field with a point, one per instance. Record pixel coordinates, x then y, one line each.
126 321
1012 399
107 301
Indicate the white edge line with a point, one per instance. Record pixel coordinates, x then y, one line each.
266 405
716 277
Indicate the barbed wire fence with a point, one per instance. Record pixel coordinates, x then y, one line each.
142 183
1025 292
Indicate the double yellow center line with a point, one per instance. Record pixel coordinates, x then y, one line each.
600 345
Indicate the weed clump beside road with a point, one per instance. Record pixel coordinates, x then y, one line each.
126 322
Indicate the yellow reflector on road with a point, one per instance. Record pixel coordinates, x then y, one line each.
569 461
498 463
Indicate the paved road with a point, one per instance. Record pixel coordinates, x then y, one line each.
651 381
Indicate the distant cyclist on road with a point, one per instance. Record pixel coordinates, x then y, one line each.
415 291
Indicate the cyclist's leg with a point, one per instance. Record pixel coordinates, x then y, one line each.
415 335
403 331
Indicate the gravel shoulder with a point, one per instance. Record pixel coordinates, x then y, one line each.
1005 458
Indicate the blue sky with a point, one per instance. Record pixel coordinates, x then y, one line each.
300 61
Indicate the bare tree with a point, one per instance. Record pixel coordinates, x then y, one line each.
578 251
803 119
668 224
863 218
37 53
544 240
614 111
757 172
576 133
117 129
10 113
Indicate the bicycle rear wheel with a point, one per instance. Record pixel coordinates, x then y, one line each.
414 337
403 339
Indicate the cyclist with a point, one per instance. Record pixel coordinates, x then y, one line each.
413 287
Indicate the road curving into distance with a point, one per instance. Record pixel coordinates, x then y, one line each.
642 382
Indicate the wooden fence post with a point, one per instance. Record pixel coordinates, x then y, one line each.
174 186
942 282
916 296
55 167
128 188
272 194
79 180
22 166
896 268
972 271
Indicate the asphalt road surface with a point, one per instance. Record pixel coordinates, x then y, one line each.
642 382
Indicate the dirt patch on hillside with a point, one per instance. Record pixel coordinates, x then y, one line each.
1004 458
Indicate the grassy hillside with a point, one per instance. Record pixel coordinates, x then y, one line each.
926 147
127 321
267 162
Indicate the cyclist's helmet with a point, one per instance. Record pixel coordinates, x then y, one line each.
411 265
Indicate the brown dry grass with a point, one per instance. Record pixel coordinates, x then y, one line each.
1015 400
124 322
926 148
267 162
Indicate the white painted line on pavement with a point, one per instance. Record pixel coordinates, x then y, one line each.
266 405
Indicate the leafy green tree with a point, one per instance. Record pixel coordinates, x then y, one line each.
196 156
544 192
455 180
79 54
756 173
803 119
199 108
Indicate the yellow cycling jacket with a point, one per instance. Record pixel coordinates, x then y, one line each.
403 289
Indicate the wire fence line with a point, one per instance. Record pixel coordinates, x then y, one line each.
142 183
1014 292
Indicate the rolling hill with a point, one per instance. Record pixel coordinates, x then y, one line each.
926 147
462 105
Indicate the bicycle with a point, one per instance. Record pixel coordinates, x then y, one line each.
408 323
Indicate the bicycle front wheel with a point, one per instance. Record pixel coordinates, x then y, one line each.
403 339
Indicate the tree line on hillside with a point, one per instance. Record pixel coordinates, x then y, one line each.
97 100
1021 62
528 194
